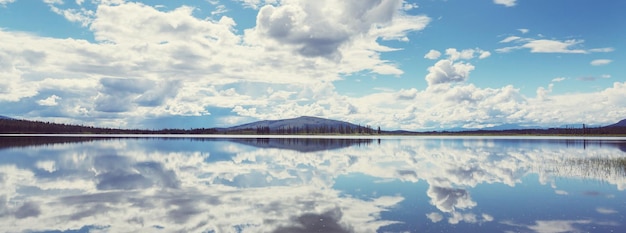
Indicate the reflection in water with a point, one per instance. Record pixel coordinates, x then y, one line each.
320 185
26 141
302 144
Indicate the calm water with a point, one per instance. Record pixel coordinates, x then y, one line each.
312 185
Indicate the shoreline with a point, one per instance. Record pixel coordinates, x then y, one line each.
378 136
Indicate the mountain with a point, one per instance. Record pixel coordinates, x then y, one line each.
303 124
621 123
5 118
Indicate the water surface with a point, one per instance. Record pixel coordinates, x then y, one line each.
361 184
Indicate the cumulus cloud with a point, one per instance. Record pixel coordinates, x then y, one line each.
50 101
117 95
448 71
434 217
601 62
542 93
452 70
450 199
484 54
432 54
186 62
315 30
507 3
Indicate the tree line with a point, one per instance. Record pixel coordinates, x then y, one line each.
320 129
14 126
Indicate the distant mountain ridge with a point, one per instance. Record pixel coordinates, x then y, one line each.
621 123
302 121
300 124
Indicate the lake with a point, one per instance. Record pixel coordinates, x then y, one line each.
277 184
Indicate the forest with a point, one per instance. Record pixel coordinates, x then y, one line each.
16 126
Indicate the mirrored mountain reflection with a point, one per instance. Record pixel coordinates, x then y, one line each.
287 185
304 144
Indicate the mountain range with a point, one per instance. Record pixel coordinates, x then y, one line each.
302 122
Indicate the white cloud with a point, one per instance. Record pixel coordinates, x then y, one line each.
601 62
451 70
523 30
221 9
558 79
602 50
409 6
507 3
50 101
510 39
58 2
317 30
465 54
48 165
449 199
561 192
603 210
448 71
432 54
434 217
553 46
82 16
5 2
556 226
484 54
548 46
254 4
542 93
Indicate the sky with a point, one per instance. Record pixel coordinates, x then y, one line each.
397 64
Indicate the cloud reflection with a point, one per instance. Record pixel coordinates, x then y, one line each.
137 184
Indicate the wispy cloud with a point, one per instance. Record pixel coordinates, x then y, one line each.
507 3
548 46
601 62
432 54
5 2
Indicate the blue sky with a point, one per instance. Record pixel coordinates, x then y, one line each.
416 65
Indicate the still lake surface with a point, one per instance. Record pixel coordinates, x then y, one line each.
359 184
